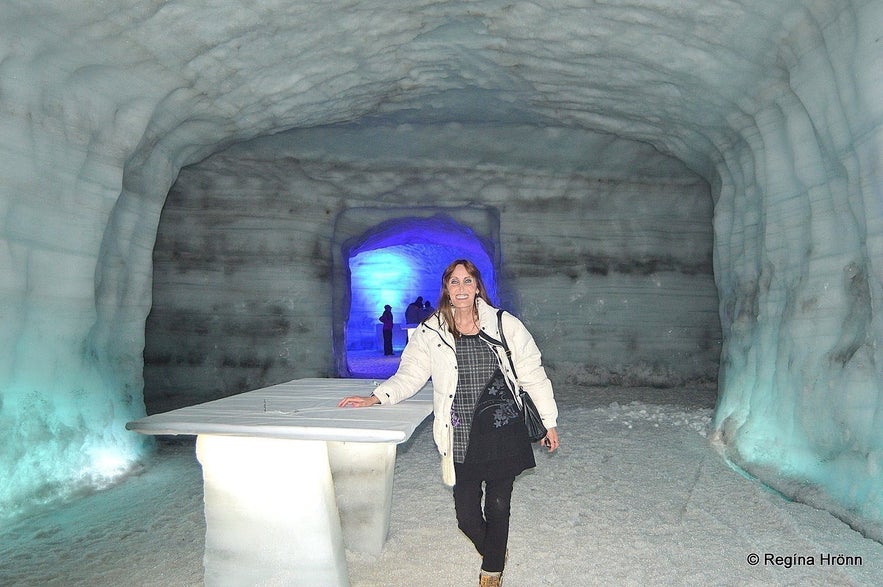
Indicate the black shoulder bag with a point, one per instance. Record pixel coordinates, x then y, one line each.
532 421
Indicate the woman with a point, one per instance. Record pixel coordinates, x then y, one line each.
476 424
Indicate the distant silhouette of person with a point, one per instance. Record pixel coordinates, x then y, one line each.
427 310
387 320
414 311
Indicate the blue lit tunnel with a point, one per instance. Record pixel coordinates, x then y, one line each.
400 263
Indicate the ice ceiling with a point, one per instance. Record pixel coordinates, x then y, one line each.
778 105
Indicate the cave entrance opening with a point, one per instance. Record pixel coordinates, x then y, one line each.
393 263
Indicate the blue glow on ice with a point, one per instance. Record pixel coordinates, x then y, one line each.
399 265
108 464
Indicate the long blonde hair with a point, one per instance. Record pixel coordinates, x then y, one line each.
444 300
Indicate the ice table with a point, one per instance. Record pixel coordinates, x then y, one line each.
291 480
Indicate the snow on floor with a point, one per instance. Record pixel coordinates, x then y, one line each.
370 364
635 496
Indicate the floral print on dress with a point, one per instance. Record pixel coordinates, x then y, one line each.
496 406
504 407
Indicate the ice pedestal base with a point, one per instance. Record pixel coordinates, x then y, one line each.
279 511
363 474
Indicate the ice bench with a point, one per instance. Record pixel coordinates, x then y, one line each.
291 480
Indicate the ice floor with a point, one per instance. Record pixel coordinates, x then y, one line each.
369 364
635 496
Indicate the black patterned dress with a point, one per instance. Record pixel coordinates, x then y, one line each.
490 440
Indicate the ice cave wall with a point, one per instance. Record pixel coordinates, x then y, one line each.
798 237
776 104
608 264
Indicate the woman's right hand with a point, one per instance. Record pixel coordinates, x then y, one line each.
358 401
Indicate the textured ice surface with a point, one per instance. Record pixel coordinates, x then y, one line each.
613 276
776 105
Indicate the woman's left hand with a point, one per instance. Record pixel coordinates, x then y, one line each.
551 439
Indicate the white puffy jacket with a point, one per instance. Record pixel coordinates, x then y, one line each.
430 353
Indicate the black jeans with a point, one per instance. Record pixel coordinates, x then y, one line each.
488 529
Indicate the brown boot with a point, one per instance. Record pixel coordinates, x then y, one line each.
487 579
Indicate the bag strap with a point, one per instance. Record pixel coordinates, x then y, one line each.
505 346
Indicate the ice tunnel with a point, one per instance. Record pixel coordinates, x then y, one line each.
399 263
670 193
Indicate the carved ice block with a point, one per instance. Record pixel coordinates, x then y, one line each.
291 479
363 475
270 513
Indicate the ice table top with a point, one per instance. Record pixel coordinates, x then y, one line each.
303 409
